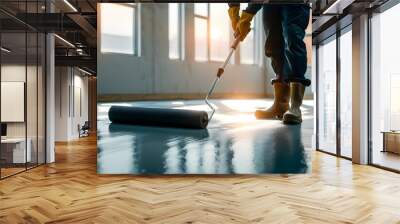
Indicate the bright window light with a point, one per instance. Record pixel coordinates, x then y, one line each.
247 47
117 28
219 32
200 38
173 30
327 98
212 31
346 74
213 34
201 9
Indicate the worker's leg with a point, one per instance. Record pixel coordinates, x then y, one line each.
274 48
274 44
294 23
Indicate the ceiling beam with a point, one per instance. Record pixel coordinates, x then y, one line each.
84 24
79 61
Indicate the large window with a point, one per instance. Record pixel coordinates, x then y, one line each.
176 30
327 96
213 34
212 31
119 28
385 89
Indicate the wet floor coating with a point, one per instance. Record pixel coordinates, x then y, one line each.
233 143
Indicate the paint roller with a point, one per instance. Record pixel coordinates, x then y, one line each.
163 117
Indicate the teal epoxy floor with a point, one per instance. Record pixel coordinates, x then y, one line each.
234 142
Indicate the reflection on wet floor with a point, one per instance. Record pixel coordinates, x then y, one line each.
234 143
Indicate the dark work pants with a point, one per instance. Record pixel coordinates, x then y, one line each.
285 30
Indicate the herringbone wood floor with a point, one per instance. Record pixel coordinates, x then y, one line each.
70 191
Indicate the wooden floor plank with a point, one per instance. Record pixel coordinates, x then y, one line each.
70 191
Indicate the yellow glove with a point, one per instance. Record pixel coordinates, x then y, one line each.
243 26
234 15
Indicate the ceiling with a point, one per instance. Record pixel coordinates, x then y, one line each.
330 15
74 22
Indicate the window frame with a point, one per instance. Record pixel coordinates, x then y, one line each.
337 38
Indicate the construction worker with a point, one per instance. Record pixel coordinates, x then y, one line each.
284 27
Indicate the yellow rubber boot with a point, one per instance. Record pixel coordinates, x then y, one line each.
281 103
293 115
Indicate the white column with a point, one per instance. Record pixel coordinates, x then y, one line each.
360 90
50 92
50 99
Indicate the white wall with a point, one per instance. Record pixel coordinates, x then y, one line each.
79 117
33 127
154 73
12 73
67 115
18 73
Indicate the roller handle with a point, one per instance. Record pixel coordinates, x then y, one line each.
235 42
233 48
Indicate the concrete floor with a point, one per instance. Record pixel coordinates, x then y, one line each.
234 142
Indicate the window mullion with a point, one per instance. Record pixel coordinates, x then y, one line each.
208 33
179 36
134 33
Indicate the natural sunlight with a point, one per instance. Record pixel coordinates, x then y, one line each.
117 38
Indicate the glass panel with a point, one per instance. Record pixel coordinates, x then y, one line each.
201 9
385 84
200 39
13 80
22 91
220 32
32 90
31 98
327 97
173 30
120 38
346 94
41 99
